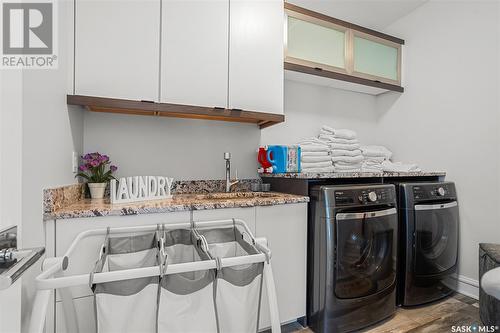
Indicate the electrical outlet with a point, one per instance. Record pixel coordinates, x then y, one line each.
74 166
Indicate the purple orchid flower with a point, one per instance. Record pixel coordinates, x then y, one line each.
113 168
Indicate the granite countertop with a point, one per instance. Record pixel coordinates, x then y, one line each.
326 175
179 202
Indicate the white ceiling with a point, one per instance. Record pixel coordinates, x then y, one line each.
374 14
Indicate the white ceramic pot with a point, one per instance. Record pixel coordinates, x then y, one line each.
97 190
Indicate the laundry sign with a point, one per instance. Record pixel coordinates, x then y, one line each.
140 188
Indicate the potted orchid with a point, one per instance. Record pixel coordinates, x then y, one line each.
95 170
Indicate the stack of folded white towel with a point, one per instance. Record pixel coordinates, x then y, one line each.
389 166
378 159
344 148
315 156
374 156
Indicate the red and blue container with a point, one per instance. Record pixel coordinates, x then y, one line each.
279 159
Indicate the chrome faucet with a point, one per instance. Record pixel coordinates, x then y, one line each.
229 183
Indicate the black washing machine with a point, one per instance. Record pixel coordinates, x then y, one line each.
352 256
428 243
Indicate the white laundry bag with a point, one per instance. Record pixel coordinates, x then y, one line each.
239 288
127 306
186 302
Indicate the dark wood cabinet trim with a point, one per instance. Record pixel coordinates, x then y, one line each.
346 24
339 76
148 108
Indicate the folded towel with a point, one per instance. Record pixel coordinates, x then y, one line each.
345 134
340 146
376 151
375 159
319 170
312 140
377 166
348 159
314 148
340 166
315 153
327 129
334 139
367 169
313 159
343 152
339 170
389 166
306 165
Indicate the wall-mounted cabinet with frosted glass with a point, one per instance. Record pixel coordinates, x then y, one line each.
334 49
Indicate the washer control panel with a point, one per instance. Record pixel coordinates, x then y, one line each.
435 191
365 196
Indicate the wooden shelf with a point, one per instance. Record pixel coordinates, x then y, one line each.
381 86
148 108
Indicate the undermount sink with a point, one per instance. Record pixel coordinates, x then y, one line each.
238 195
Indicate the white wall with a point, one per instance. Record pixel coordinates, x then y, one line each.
51 132
181 148
193 149
10 183
448 116
307 107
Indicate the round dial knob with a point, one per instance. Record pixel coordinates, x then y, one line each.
441 192
372 196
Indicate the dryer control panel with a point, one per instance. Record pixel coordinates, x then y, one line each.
364 196
434 191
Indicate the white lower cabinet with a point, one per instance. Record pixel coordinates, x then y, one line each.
283 225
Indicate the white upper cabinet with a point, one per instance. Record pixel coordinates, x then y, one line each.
117 48
256 72
194 52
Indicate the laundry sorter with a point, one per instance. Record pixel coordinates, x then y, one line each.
186 277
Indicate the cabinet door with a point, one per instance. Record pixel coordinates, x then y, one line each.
376 58
194 52
256 72
316 43
117 48
285 227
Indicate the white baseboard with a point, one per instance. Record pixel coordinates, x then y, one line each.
467 286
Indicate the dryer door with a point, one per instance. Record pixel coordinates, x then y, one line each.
436 237
365 261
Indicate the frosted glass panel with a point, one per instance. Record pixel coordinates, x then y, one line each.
375 58
316 43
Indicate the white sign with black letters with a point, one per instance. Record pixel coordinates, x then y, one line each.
140 188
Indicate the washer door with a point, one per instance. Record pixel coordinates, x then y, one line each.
436 237
365 261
